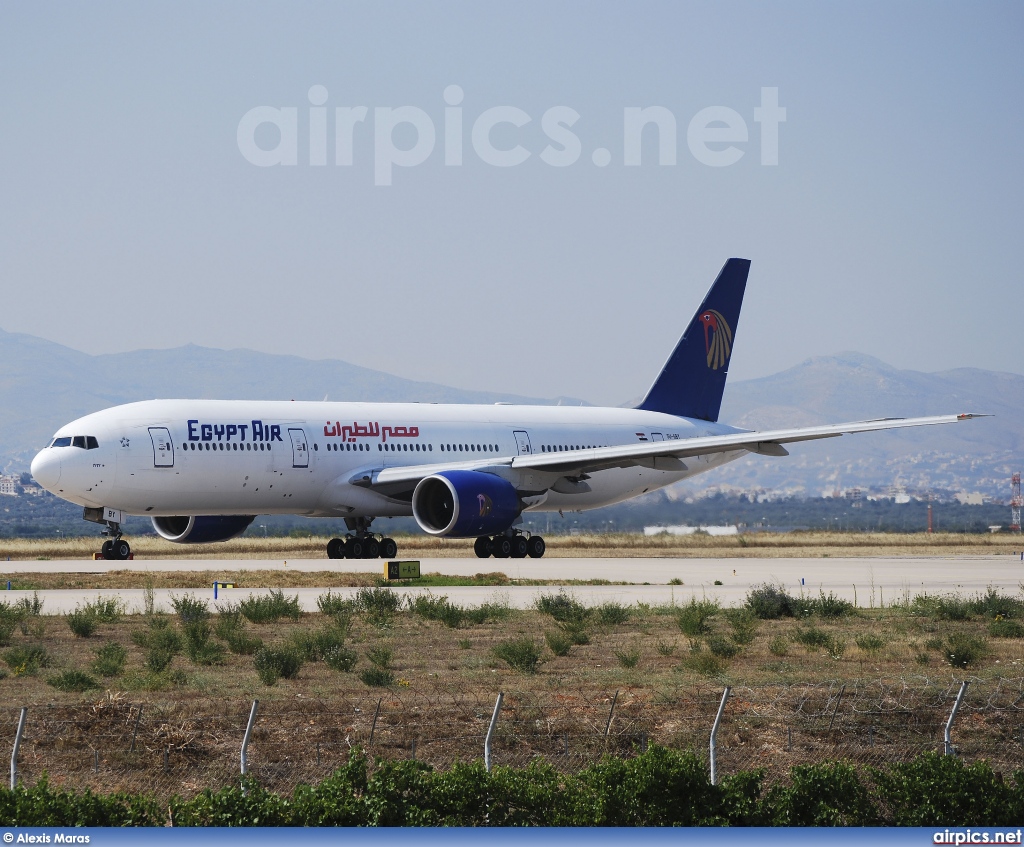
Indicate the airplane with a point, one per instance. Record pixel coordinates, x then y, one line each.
202 470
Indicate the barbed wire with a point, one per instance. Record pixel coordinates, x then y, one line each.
163 746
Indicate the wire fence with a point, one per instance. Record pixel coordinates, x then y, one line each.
165 746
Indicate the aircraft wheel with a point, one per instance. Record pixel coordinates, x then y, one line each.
121 550
335 549
501 546
388 548
107 550
519 547
354 548
482 547
535 547
372 548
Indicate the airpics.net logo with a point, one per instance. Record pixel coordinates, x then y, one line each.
406 136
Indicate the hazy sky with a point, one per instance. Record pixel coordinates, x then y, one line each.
130 216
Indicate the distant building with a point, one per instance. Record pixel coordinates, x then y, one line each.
9 485
690 530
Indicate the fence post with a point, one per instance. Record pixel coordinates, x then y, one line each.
245 740
373 727
611 714
17 744
135 729
835 711
714 735
949 751
490 731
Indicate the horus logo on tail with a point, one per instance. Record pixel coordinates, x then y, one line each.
717 338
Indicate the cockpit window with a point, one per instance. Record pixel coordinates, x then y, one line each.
62 442
84 442
91 443
78 441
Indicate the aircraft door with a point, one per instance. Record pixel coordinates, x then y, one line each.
657 436
300 451
163 447
523 443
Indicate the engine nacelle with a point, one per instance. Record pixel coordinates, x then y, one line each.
202 529
464 504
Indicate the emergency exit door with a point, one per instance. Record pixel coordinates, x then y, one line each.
523 443
163 448
300 452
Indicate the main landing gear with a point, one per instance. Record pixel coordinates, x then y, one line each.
115 548
515 546
361 543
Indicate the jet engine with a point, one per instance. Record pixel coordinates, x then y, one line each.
464 504
202 529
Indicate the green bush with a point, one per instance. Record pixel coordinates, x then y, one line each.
521 654
992 604
73 681
830 606
826 794
31 607
869 643
340 658
10 617
563 608
778 646
706 664
82 622
198 647
333 605
190 609
433 608
558 642
27 658
379 604
380 656
743 623
612 614
106 609
269 608
628 658
312 646
693 618
1003 628
158 659
271 665
721 647
377 677
961 649
771 602
242 643
110 659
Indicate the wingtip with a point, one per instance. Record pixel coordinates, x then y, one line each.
966 416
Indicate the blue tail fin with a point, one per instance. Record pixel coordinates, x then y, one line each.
693 379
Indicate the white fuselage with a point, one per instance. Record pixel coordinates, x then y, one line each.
234 457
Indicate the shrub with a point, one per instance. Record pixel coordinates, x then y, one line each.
378 603
267 608
563 608
73 681
870 644
612 614
242 643
628 658
229 619
271 664
198 646
992 604
826 794
158 659
334 605
1003 628
82 622
377 677
575 632
190 609
340 658
380 656
721 647
521 654
559 643
10 616
743 623
313 646
110 659
106 609
27 658
778 646
771 602
694 616
665 649
433 608
813 638
830 606
703 663
32 608
962 649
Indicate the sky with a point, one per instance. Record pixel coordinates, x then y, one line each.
146 200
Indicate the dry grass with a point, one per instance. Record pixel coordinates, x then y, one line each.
622 545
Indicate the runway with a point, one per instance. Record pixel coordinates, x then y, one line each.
868 582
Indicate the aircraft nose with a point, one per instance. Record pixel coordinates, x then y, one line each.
46 468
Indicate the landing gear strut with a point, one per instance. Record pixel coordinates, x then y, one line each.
360 543
115 548
513 544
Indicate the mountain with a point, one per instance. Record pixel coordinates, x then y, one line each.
43 385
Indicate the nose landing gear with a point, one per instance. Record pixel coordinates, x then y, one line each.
505 546
115 549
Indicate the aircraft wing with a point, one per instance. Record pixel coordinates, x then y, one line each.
659 455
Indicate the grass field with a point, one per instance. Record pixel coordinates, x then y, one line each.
750 545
